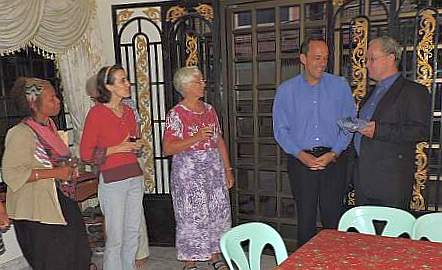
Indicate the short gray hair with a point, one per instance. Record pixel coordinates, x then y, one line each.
184 76
390 46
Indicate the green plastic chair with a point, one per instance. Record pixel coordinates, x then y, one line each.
428 226
361 218
259 235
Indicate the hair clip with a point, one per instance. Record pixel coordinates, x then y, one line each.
32 92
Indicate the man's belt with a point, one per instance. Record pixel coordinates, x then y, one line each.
318 150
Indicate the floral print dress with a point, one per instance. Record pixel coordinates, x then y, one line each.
198 184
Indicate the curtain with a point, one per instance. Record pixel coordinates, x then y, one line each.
52 25
76 66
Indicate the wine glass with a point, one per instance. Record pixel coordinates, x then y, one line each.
134 136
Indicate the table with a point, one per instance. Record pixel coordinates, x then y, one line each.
331 249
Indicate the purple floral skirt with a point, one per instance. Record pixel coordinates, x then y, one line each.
201 203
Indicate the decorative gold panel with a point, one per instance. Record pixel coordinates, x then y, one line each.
191 50
351 198
417 200
124 16
206 11
424 50
338 3
144 107
425 76
174 13
153 13
359 70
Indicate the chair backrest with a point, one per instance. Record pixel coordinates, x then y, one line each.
258 234
361 218
428 226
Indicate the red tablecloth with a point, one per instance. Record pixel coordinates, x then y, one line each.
331 249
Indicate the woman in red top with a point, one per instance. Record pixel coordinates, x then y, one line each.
105 141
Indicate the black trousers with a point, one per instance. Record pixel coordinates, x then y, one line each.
310 187
56 247
401 200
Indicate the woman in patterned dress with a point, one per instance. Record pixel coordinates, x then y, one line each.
201 173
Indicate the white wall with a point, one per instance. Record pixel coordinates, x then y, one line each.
104 15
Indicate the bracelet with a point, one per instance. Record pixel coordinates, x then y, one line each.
228 169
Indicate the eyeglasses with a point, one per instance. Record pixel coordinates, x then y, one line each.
372 59
199 82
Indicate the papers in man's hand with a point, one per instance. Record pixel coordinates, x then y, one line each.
351 124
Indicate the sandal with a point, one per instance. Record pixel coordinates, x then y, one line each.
219 265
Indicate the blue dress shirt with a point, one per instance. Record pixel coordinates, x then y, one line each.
369 107
305 116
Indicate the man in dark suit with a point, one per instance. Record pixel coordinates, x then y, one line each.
398 114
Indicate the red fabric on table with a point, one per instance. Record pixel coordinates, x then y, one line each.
331 249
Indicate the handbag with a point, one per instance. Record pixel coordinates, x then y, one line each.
85 186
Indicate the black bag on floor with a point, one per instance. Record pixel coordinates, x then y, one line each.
160 220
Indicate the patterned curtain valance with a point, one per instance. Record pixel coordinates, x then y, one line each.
52 25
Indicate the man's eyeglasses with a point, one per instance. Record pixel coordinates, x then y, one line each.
372 59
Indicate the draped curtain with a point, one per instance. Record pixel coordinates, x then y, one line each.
52 25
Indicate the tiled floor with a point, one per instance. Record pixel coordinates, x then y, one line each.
161 258
164 258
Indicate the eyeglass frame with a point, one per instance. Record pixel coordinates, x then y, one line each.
373 59
199 82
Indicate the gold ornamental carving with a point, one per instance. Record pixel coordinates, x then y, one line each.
153 14
191 50
124 15
417 200
205 11
338 3
424 76
425 47
359 53
351 198
144 107
174 13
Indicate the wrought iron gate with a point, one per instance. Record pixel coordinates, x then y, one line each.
262 50
151 41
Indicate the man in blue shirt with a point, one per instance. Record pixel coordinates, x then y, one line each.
305 114
398 111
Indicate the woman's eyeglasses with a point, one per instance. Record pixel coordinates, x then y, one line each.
200 81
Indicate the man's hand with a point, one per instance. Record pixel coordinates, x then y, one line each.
310 161
368 131
326 158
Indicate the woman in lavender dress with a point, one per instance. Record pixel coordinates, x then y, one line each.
201 173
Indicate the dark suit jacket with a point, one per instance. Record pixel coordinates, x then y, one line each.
386 162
